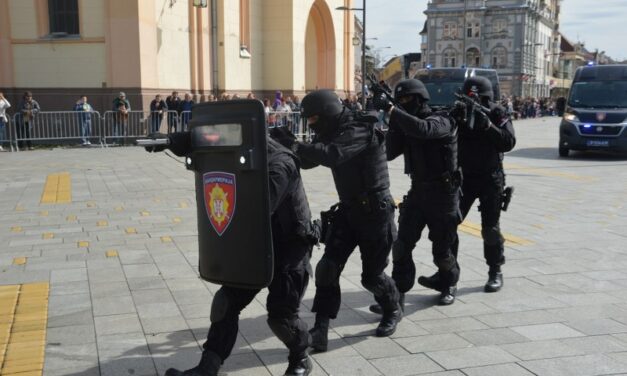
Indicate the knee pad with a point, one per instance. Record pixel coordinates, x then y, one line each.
492 235
447 263
219 307
327 272
292 333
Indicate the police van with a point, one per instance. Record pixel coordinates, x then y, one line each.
596 113
443 83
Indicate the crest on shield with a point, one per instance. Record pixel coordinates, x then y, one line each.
219 188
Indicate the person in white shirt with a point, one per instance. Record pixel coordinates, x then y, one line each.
4 120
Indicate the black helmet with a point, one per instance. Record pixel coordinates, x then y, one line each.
479 85
411 87
323 103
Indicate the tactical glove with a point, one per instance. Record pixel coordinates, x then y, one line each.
459 111
381 102
482 122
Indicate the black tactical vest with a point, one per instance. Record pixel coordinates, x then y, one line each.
292 218
367 172
477 155
428 160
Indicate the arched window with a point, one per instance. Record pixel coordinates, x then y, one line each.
499 57
449 57
473 57
63 16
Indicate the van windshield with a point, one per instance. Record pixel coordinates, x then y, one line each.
442 93
599 94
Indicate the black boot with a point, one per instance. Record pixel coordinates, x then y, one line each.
495 280
389 321
447 296
376 308
320 334
299 367
432 282
209 365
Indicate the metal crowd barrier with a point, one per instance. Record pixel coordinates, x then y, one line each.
56 126
293 120
115 127
7 137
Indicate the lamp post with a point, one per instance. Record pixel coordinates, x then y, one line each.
200 3
363 50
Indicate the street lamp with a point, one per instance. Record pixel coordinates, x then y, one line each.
363 50
200 3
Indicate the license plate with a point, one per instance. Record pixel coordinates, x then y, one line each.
598 143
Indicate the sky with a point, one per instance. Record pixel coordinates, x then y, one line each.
599 24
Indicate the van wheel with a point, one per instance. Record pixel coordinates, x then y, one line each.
563 152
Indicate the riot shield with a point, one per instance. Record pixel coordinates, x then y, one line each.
229 157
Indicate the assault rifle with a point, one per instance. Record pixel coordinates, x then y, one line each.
378 88
471 100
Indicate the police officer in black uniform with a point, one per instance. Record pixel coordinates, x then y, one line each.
481 159
350 145
293 235
428 142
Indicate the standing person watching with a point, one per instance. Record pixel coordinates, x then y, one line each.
84 117
28 111
157 108
122 107
4 120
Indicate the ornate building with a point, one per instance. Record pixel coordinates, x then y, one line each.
60 49
518 38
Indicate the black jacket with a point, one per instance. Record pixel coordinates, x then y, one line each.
429 145
481 151
355 153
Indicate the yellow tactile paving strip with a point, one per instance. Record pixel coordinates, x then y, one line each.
58 189
548 172
475 230
23 320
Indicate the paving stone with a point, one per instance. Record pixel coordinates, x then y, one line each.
597 326
471 357
375 348
115 305
510 369
595 344
71 335
492 337
117 324
405 365
546 331
451 325
541 350
163 324
434 342
578 365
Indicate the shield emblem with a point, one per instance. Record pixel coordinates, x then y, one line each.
220 200
601 116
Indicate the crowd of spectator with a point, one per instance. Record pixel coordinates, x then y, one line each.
530 107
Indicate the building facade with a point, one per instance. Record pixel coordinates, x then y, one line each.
60 49
518 38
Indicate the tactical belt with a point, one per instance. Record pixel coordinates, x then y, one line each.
369 202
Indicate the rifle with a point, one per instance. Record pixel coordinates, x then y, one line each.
377 88
472 101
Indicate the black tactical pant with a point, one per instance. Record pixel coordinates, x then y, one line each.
374 232
286 291
488 188
432 206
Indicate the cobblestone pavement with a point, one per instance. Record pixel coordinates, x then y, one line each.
120 262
